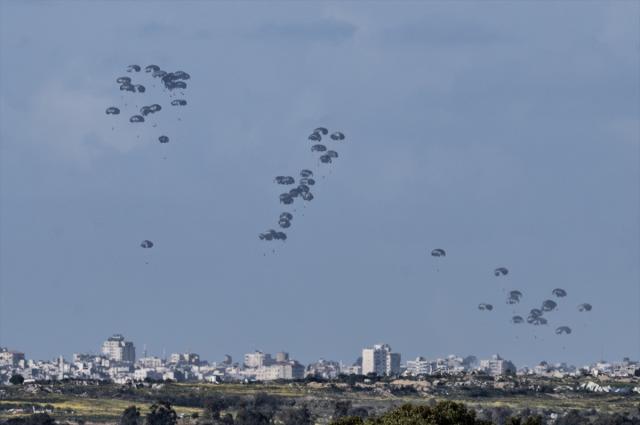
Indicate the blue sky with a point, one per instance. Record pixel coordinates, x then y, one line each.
506 133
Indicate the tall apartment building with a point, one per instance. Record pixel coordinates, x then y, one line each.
257 359
380 361
286 370
117 349
10 358
497 366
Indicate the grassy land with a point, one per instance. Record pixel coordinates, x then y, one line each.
105 403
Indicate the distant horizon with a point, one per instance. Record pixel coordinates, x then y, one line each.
239 357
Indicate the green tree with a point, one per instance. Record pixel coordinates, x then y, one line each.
348 420
297 416
16 379
130 416
342 408
161 413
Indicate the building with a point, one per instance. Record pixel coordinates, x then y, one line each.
117 349
10 358
497 366
289 370
184 358
380 361
257 359
282 357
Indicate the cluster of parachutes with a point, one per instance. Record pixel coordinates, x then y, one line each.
170 81
536 315
305 182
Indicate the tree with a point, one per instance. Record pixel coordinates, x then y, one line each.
161 413
297 416
16 379
130 416
249 416
443 413
348 420
341 409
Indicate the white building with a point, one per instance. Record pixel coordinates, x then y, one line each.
117 349
380 361
287 370
10 358
257 359
497 366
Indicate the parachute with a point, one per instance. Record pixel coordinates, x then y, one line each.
438 252
316 137
178 102
536 312
308 181
286 199
163 139
485 306
123 80
159 73
146 244
549 305
517 320
563 330
325 159
318 148
306 173
286 215
112 110
284 180
337 136
559 292
127 87
307 196
140 88
152 68
322 130
155 107
514 297
181 75
332 154
135 68
284 223
584 307
136 118
501 271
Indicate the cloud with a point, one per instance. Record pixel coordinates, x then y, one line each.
438 32
327 29
71 124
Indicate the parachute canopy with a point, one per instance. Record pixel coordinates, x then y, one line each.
178 102
112 110
146 244
501 271
485 306
136 118
337 136
559 292
584 307
563 330
549 305
135 68
163 139
438 252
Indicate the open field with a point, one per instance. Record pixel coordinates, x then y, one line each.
106 402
